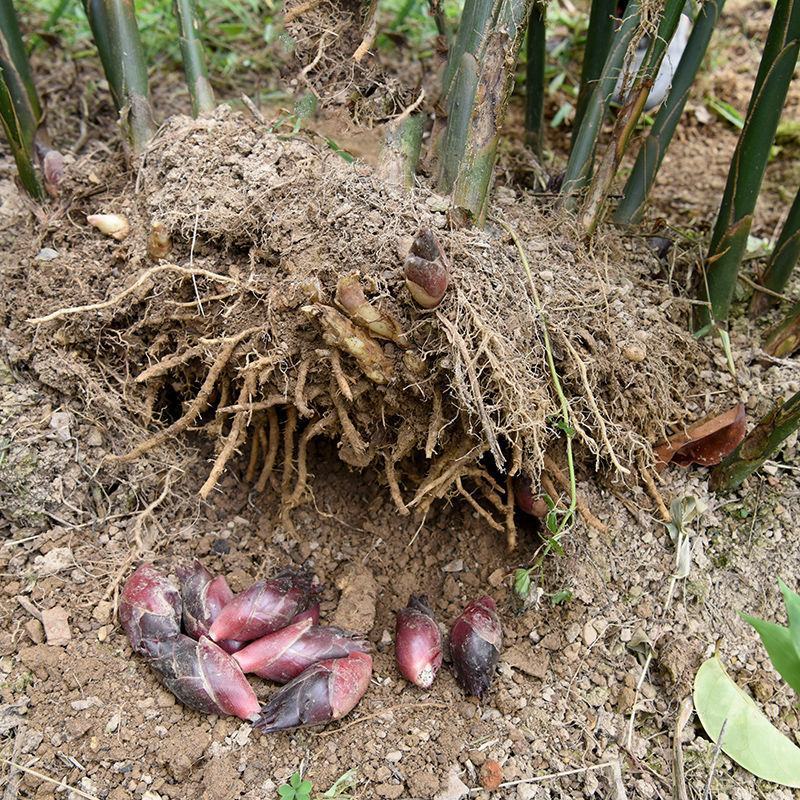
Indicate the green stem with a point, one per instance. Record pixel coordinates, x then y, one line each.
534 77
782 262
651 154
784 338
598 42
757 446
400 153
749 162
116 34
472 30
20 110
581 157
628 118
194 61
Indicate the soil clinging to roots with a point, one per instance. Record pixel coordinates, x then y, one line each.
241 334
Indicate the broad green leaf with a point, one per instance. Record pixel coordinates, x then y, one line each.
780 648
305 787
749 737
286 792
559 598
792 601
522 583
295 780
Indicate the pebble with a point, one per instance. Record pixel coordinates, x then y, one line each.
589 634
113 723
56 626
456 565
394 756
496 578
46 254
35 630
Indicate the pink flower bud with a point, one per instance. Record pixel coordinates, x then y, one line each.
475 641
266 606
203 676
149 607
204 596
326 691
283 655
418 642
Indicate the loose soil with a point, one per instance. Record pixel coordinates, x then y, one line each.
92 716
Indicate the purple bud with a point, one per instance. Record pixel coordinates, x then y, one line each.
203 676
418 642
266 606
283 655
326 691
149 607
475 641
312 613
204 596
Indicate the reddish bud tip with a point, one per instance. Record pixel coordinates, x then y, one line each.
425 270
312 613
283 655
149 607
418 642
475 642
203 676
526 500
326 691
265 607
204 596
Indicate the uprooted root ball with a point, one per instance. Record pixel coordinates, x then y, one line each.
251 338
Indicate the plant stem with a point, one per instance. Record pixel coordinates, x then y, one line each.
782 261
749 162
581 156
116 34
400 153
783 339
534 77
472 29
627 119
194 61
651 154
20 110
598 42
758 445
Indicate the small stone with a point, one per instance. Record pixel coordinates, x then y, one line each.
94 744
102 633
635 352
477 757
589 634
547 275
491 775
95 438
56 626
456 788
394 756
164 699
84 703
496 578
390 790
102 612
46 254
60 422
35 630
456 565
113 723
56 560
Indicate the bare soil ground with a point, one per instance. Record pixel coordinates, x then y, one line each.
90 716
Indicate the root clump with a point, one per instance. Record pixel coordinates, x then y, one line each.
243 337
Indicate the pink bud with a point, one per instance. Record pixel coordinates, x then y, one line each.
204 596
149 607
203 676
266 606
418 642
525 498
283 655
425 270
475 641
326 691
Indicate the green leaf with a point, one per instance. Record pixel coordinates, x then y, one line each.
551 521
286 792
295 780
342 785
555 546
562 597
749 738
780 648
522 583
305 787
792 601
549 502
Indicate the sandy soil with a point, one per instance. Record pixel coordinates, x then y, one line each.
89 715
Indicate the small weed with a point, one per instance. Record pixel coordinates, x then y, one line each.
296 789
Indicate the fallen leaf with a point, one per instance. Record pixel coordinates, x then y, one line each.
707 442
736 723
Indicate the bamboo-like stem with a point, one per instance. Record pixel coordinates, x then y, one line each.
627 119
20 110
598 42
534 77
472 30
782 261
651 154
749 162
757 446
194 60
116 34
581 157
783 339
496 71
401 148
